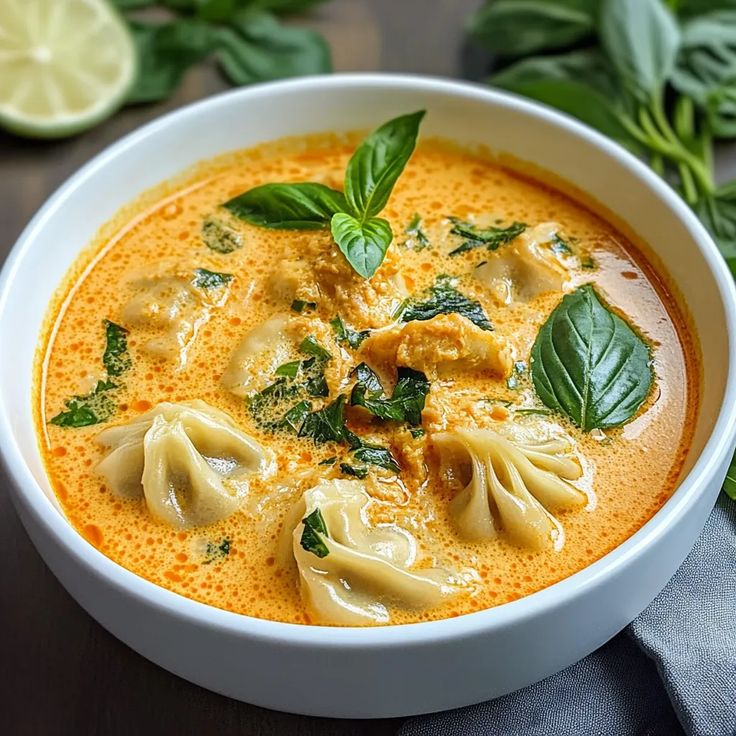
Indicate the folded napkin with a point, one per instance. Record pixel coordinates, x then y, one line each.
672 671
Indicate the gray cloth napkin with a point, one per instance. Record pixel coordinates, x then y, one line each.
672 671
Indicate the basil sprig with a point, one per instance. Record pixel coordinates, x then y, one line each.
589 364
371 174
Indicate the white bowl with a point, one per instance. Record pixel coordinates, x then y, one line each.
393 670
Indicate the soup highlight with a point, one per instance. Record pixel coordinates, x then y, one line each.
324 384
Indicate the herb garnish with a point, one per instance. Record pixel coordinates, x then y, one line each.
92 408
215 552
116 358
417 239
406 401
314 529
489 237
362 237
356 471
589 364
205 279
299 305
219 237
444 298
344 334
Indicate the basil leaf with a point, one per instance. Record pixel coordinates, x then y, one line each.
344 334
310 346
641 38
444 298
417 239
491 238
687 8
294 418
355 472
406 402
379 456
706 69
589 364
91 408
729 485
214 552
256 47
165 52
718 214
299 305
327 424
364 244
220 237
304 206
520 27
289 370
314 529
116 358
377 163
269 406
205 279
579 83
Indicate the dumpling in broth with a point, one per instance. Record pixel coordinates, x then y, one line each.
190 462
352 572
513 484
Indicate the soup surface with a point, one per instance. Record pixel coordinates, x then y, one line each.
427 522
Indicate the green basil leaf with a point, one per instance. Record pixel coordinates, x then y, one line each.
417 239
491 238
589 364
729 485
581 83
520 27
284 7
444 298
304 206
289 370
314 529
405 403
382 457
165 52
363 244
205 279
688 8
116 358
92 408
706 69
641 39
219 236
354 471
378 162
256 47
310 346
299 305
327 424
718 213
214 552
294 418
346 335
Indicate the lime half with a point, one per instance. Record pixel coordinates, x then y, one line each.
64 65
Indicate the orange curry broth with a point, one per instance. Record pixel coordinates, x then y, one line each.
628 477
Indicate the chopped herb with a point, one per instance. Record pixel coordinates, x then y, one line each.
218 236
289 370
328 460
512 381
294 418
588 263
417 432
491 237
269 406
374 455
533 412
406 401
91 408
344 334
418 239
205 279
314 529
327 424
355 471
560 246
299 305
116 358
215 552
311 347
444 298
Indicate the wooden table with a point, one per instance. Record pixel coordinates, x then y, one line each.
60 672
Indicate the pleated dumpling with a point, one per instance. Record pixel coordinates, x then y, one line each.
514 483
352 572
260 352
529 266
190 461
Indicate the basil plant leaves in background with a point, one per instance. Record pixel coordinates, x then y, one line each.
352 216
245 37
658 76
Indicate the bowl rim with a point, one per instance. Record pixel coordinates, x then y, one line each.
27 492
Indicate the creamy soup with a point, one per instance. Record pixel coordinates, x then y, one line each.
230 409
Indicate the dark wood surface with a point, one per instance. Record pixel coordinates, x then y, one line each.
60 672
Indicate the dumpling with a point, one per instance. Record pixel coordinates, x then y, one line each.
445 344
526 267
190 462
351 572
259 353
513 484
168 305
